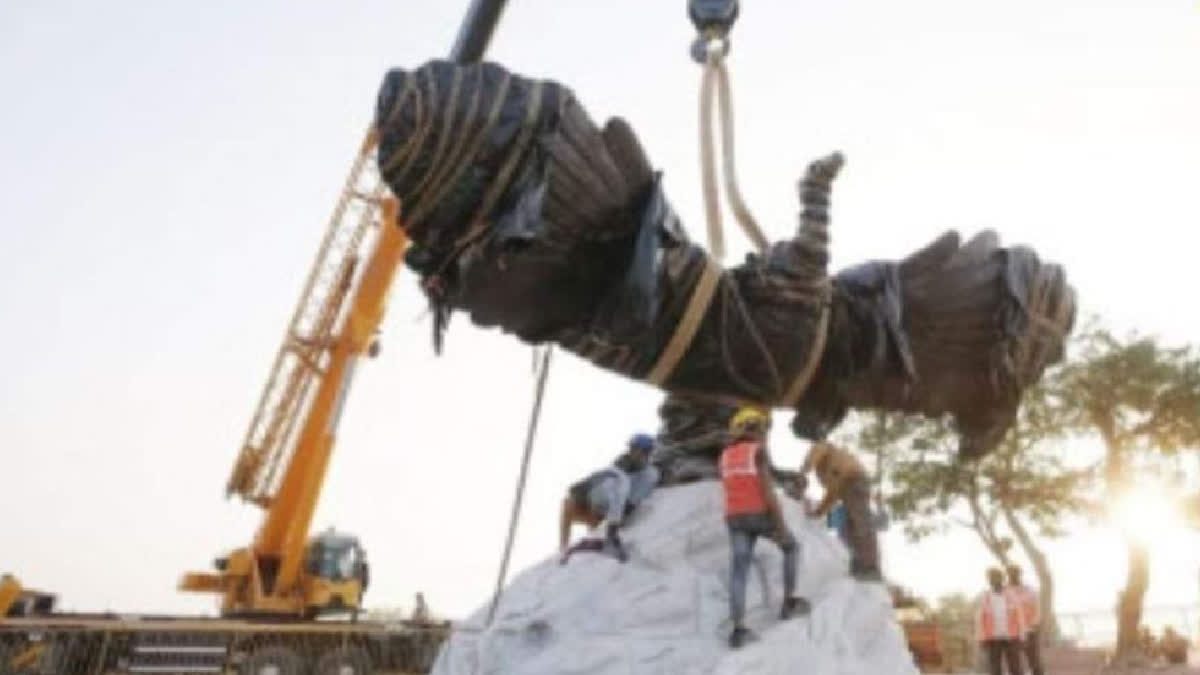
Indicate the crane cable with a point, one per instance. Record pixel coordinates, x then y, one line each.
514 518
715 88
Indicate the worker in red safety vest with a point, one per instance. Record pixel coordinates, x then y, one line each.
1000 625
1031 613
752 511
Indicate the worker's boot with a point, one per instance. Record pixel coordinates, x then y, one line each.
614 539
794 606
583 545
740 636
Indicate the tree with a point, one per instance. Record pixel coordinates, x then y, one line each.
955 617
1143 400
1028 481
929 488
1191 511
1023 488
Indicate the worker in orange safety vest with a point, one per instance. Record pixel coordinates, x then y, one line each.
752 510
1000 625
1031 614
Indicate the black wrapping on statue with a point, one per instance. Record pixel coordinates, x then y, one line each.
536 221
958 329
631 308
531 218
880 281
515 200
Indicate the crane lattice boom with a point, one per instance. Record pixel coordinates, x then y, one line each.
303 354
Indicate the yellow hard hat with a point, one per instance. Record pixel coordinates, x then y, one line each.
746 417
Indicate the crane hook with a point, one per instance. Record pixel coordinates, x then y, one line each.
713 20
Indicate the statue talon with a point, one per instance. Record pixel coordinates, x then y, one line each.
823 171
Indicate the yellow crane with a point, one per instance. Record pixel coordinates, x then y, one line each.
284 457
283 574
10 592
286 451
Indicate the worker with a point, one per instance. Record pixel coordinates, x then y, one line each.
1173 646
609 496
420 612
1000 625
1147 642
845 480
838 521
752 510
1031 615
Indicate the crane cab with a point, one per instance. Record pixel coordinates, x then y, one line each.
331 580
335 574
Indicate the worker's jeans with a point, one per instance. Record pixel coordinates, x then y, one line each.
1000 651
744 530
607 497
1033 651
863 541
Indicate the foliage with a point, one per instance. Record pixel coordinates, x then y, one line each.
1024 484
955 617
1143 400
931 491
1140 397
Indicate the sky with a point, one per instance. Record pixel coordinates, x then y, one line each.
167 168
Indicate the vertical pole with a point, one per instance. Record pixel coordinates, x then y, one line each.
474 34
476 31
515 516
99 670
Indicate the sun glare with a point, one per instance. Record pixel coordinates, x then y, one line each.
1147 514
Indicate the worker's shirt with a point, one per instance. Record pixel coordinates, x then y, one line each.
835 468
999 617
642 483
1031 609
607 485
742 480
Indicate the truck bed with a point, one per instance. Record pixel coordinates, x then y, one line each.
86 644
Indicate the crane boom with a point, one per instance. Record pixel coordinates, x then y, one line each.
285 531
303 355
281 466
283 459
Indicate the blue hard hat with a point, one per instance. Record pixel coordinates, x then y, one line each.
643 442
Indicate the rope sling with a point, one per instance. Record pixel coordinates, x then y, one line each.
715 89
710 49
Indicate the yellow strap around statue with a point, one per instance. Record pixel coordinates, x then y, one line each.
685 331
805 377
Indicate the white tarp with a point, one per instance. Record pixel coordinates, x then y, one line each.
666 611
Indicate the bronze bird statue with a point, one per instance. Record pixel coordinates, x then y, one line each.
528 217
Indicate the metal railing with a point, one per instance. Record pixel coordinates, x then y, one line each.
113 645
1098 628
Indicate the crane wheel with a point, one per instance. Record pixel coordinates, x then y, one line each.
273 661
20 659
8 655
427 654
344 661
